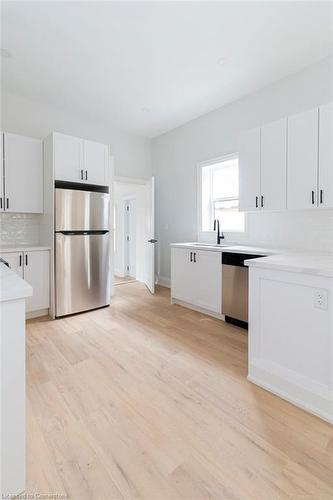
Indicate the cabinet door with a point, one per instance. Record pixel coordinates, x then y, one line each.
183 281
36 273
207 273
23 163
68 158
96 163
274 165
2 201
15 260
249 170
302 160
326 156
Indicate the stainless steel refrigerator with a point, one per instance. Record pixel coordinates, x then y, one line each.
82 249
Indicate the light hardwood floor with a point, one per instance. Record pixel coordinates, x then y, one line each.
144 400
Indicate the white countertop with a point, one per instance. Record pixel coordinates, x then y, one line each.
285 260
22 248
12 286
224 247
316 264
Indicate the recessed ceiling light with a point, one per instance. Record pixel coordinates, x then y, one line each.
5 53
221 61
145 109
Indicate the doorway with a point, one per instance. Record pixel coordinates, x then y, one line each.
133 227
125 234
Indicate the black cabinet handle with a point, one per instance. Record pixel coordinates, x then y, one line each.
81 175
312 197
86 175
1 203
7 203
195 257
262 201
321 196
257 199
191 257
20 260
26 259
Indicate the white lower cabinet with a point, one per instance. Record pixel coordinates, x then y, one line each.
15 260
33 267
196 278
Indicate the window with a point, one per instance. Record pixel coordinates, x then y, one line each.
219 193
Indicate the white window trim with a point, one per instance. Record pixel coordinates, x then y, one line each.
209 235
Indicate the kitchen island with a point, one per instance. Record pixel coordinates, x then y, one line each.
291 329
13 294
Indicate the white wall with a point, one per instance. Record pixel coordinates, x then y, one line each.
176 154
132 154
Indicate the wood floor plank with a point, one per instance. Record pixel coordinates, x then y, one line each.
148 400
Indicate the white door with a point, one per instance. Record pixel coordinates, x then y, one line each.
36 273
68 158
96 163
183 279
249 170
2 200
23 174
15 261
302 160
150 237
130 238
274 165
325 186
207 272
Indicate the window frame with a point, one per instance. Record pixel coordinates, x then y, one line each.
208 235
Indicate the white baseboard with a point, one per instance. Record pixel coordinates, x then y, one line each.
36 314
318 401
198 309
163 281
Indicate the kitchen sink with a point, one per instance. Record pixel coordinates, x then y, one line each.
215 245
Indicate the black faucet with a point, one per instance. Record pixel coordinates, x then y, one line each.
219 236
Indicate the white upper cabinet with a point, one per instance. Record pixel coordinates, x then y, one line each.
274 165
23 174
78 160
302 160
68 158
249 170
96 156
325 187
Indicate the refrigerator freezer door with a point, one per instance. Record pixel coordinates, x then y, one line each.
82 272
81 210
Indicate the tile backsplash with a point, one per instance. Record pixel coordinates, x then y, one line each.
19 229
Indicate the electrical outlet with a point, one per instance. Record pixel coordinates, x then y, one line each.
320 298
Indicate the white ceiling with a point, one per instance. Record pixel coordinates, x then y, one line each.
148 67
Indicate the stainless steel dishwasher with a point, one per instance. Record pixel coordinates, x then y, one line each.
235 287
